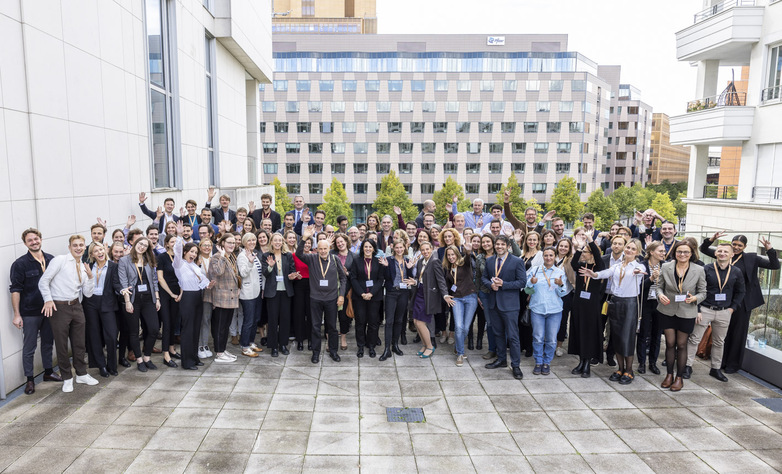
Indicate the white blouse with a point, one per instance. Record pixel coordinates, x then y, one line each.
624 282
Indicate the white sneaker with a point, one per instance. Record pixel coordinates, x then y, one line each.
207 351
443 338
559 352
86 378
67 386
224 359
202 354
459 361
231 356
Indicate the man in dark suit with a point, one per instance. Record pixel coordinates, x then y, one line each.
168 211
299 209
222 213
266 212
506 276
589 222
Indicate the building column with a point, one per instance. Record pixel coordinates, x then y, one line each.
706 83
253 111
699 163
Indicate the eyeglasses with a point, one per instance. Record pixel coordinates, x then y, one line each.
683 252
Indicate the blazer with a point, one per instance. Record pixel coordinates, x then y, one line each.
225 293
514 278
153 215
392 268
288 267
752 261
257 217
694 283
348 261
129 278
218 216
251 281
433 281
359 277
111 288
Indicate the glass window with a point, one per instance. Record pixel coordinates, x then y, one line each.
360 148
427 188
406 106
316 168
359 188
498 106
211 111
280 85
577 86
292 168
485 127
371 86
263 127
440 127
463 86
270 148
418 86
394 86
427 168
303 127
544 106
474 106
509 85
291 106
487 86
508 127
316 148
316 188
384 106
622 125
495 168
303 86
576 127
518 147
348 86
517 168
292 148
452 106
394 127
269 106
440 86
428 106
519 106
462 127
631 140
383 168
428 148
326 127
338 106
383 148
530 127
473 168
338 168
338 148
540 168
348 127
563 167
405 148
632 110
533 85
620 170
541 147
316 106
539 188
555 86
566 106
360 168
293 188
495 188
472 188
473 148
495 147
371 127
326 86
408 187
360 106
563 147
553 127
405 168
280 127
449 148
450 168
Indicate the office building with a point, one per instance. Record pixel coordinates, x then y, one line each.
671 162
325 17
102 100
472 107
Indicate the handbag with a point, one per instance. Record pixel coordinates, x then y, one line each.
704 348
526 318
349 304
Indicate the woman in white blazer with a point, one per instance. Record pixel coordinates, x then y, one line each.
249 264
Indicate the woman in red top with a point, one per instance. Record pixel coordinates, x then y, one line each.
301 302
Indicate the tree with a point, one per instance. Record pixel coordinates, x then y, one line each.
643 197
673 189
517 203
335 203
664 206
681 207
282 203
391 194
443 198
623 199
565 200
603 208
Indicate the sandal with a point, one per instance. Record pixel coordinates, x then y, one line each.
627 379
615 376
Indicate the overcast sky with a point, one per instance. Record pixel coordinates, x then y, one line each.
638 35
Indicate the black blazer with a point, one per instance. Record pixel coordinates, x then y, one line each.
257 217
218 216
153 215
391 270
434 284
752 261
359 277
348 261
288 267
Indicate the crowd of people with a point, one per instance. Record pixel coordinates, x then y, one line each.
201 281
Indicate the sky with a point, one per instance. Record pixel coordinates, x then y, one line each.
639 35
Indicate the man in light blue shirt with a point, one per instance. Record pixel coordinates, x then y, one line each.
477 219
546 284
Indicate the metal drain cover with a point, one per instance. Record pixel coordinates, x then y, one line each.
773 404
405 415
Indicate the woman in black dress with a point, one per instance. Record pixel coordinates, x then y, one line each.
586 319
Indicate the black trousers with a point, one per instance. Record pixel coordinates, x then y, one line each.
32 326
480 316
300 309
324 311
169 318
396 309
736 339
650 334
101 330
279 314
367 321
144 311
221 321
567 305
610 345
191 312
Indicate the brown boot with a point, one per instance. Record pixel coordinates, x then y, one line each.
131 356
235 340
677 384
667 382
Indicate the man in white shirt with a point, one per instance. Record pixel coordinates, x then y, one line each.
477 219
506 228
63 285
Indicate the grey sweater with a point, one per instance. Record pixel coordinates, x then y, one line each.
337 280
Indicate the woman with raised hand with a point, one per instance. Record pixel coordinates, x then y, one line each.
398 278
650 331
203 260
431 289
366 279
280 271
225 294
459 278
586 322
346 258
100 311
545 306
300 306
532 255
564 256
250 270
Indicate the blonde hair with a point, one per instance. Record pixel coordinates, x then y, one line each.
457 239
247 237
459 257
284 248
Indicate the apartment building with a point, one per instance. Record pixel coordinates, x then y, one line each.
325 17
671 162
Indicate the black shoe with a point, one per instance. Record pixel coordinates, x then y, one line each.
528 353
717 374
611 362
334 356
175 355
641 368
664 363
615 376
587 371
517 373
386 354
275 352
579 368
654 369
403 338
396 350
479 343
150 365
593 361
360 352
170 363
470 346
417 339
200 364
372 352
113 372
687 372
300 346
315 357
626 379
264 340
190 368
730 370
123 362
411 327
497 364
142 367
284 350
103 372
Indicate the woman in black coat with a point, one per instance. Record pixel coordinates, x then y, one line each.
100 311
748 263
586 320
366 279
278 267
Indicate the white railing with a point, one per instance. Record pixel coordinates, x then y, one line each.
721 7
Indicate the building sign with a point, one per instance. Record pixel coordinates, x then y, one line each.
495 40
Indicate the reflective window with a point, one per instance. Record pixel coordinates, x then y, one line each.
316 148
463 86
338 148
566 106
394 127
530 127
405 168
270 148
383 148
315 188
360 107
495 168
428 148
359 188
452 106
440 86
473 168
462 127
555 86
360 148
472 188
487 86
280 85
428 106
406 106
519 106
303 127
544 106
349 86
427 188
326 86
291 106
371 86
539 188
338 168
384 106
518 147
418 86
540 168
316 106
553 127
293 188
280 127
563 147
578 86
360 168
576 127
371 127
485 127
541 147
440 127
563 168
268 106
303 86
292 148
495 147
348 127
326 127
474 106
533 85
508 127
405 148
315 168
509 85
450 168
338 106
449 148
428 168
382 168
473 148
394 86
498 106
292 168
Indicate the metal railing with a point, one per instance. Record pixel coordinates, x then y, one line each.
770 93
721 7
730 99
716 191
766 193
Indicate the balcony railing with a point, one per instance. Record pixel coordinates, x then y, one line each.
770 93
730 99
721 7
715 191
766 193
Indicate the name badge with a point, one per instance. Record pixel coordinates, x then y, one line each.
652 294
370 283
403 286
720 297
585 295
142 288
279 277
324 283
453 288
680 298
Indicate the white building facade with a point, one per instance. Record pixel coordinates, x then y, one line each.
103 99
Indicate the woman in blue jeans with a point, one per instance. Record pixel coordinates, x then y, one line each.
546 283
459 279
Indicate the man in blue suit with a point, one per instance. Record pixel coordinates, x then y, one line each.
506 276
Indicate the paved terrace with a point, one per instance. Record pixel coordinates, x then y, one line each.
288 415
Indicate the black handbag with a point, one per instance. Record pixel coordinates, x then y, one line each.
526 318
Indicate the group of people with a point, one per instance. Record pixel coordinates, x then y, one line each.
204 279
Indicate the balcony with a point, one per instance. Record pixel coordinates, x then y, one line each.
725 32
715 191
723 120
766 194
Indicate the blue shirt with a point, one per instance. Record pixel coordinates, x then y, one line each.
547 298
99 281
471 220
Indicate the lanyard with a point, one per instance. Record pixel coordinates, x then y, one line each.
138 272
98 272
367 267
548 280
192 220
719 280
733 262
586 278
190 266
78 270
680 279
622 270
453 272
669 249
323 272
401 269
498 270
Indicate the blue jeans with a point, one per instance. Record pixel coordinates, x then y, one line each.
252 314
544 336
463 312
490 315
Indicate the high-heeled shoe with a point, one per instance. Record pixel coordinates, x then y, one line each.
424 356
